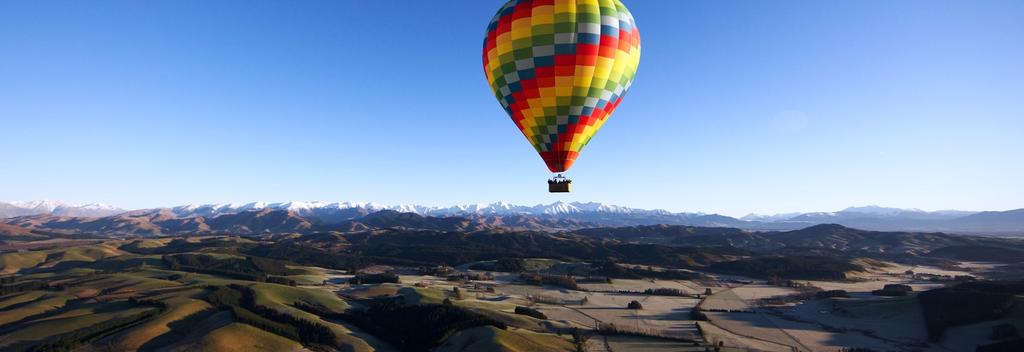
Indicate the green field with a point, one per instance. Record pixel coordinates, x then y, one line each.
111 296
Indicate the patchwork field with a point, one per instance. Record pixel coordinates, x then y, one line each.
207 294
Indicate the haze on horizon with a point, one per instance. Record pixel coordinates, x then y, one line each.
737 108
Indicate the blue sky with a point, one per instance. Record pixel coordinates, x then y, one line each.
738 106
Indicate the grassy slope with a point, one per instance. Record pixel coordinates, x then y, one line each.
47 302
181 304
125 283
13 262
68 321
422 295
272 295
489 338
243 338
152 243
371 291
20 298
282 298
151 282
89 253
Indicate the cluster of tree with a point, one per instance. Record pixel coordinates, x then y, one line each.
271 266
666 291
247 265
416 327
427 247
831 294
22 286
1003 346
161 305
674 256
661 291
579 340
635 305
1004 254
697 314
463 277
966 303
1004 331
590 279
494 251
435 270
531 312
73 340
240 300
639 233
376 278
612 269
281 280
547 279
507 265
546 299
789 267
306 255
181 245
894 290
173 277
251 268
610 329
317 309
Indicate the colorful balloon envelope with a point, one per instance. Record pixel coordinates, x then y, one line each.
560 68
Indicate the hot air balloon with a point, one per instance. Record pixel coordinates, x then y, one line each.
560 68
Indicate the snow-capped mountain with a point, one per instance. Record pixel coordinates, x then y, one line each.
863 212
917 213
57 208
499 208
591 212
587 214
882 211
873 212
770 218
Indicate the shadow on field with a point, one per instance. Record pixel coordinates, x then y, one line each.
179 329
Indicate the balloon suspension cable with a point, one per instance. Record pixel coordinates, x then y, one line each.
559 178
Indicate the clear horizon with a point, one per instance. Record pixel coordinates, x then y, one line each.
737 107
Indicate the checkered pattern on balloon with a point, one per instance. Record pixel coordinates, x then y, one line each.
560 68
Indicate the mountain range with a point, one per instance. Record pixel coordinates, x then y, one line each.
50 207
822 240
550 217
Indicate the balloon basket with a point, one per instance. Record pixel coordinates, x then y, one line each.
559 184
562 188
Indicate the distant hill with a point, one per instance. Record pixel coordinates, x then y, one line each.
825 239
893 219
268 221
165 223
11 230
818 238
995 221
980 253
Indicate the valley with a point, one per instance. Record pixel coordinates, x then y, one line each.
369 287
